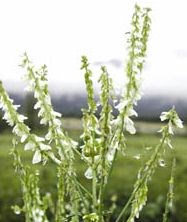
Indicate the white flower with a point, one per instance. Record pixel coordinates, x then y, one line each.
178 123
122 105
29 146
42 84
43 121
57 114
37 157
23 138
41 112
74 143
36 94
164 116
48 136
15 106
132 112
89 174
28 88
38 215
38 139
8 118
19 132
137 157
21 118
129 125
64 143
44 147
57 122
16 209
168 142
5 108
110 155
10 100
170 128
1 105
37 105
47 100
173 117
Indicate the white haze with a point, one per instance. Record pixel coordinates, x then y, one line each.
57 33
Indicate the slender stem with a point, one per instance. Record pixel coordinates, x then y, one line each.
60 207
104 151
170 192
53 158
125 207
83 188
103 177
142 180
81 156
94 186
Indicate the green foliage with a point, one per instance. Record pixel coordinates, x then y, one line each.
119 187
103 138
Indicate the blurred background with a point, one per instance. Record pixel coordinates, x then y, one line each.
57 33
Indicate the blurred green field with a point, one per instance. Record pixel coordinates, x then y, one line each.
121 182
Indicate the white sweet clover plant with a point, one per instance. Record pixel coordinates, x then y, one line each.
138 197
103 138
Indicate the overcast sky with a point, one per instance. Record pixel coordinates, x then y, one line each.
58 32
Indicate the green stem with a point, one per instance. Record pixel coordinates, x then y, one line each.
81 156
141 181
170 192
94 186
101 191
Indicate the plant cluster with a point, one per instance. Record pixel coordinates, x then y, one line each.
103 138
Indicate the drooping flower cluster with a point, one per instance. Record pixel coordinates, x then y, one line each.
32 141
37 80
173 120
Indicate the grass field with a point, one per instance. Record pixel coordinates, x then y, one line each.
121 182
